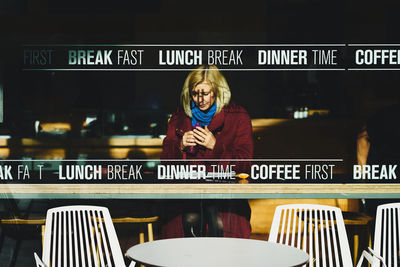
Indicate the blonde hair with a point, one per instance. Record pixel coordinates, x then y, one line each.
212 75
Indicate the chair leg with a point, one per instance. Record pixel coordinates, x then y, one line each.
43 229
133 264
2 237
355 244
141 237
150 231
15 253
39 262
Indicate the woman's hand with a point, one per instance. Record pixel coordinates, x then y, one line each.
188 139
204 137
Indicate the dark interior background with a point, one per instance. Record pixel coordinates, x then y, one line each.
67 96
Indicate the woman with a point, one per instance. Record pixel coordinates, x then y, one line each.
209 126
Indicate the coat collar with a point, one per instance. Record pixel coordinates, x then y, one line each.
217 122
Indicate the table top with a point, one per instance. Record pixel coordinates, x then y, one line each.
216 251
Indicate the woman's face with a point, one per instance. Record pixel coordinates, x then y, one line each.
203 96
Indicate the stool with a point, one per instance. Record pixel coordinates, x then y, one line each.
148 220
358 229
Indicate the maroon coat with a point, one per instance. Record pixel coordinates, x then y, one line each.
231 128
233 132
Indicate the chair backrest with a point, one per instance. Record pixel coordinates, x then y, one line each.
317 229
387 234
81 236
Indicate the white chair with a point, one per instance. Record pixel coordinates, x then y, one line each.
317 229
387 235
372 257
80 236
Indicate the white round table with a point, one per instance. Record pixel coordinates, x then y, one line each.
216 252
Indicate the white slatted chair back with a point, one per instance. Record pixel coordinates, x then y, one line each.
317 229
387 234
81 236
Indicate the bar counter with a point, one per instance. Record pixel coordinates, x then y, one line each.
195 191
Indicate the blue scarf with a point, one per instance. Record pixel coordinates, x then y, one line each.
200 117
